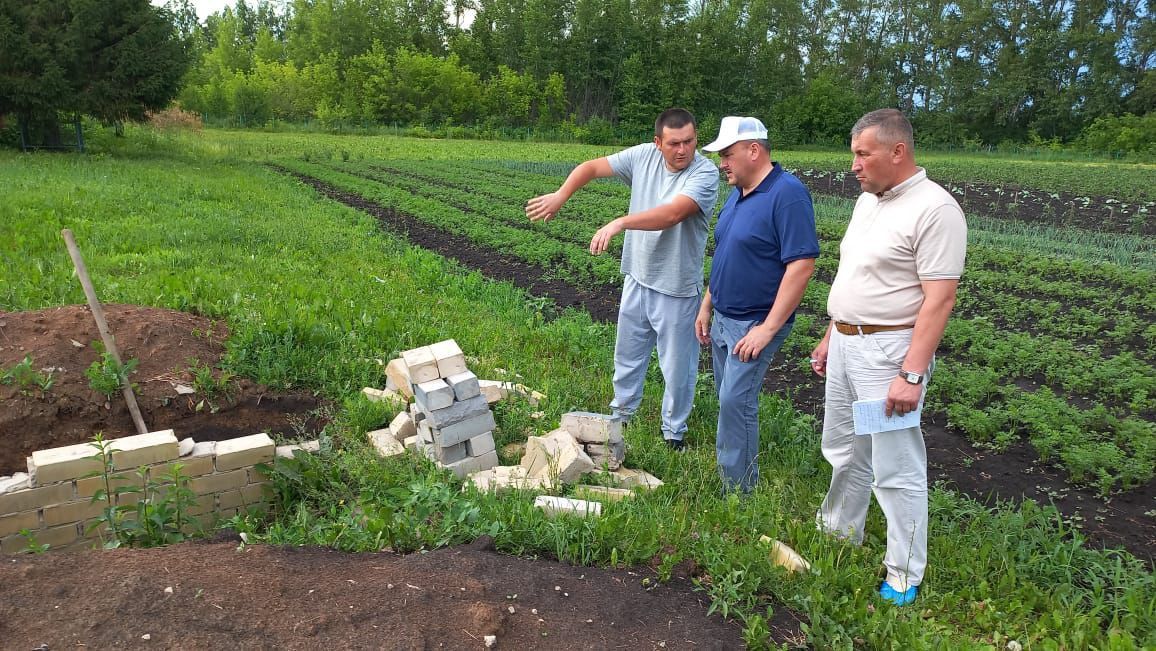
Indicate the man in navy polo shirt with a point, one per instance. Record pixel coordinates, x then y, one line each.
765 250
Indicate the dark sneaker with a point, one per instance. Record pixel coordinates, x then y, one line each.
678 445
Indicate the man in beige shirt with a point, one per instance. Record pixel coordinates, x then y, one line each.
899 265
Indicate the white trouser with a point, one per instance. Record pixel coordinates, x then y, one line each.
862 367
646 319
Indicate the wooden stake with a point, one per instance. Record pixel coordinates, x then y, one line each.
102 326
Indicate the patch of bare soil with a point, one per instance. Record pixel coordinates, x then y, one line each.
1120 522
61 342
224 595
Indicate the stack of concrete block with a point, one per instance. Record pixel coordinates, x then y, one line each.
450 420
600 436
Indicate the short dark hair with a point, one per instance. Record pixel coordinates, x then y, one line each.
893 127
674 118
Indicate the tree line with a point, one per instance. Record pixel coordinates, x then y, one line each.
968 72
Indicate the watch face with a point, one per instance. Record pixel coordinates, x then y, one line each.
912 378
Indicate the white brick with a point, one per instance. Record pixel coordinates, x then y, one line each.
421 365
589 427
15 522
185 446
402 426
411 442
493 390
457 412
313 446
473 464
205 449
18 481
554 505
398 375
451 454
631 478
465 385
479 445
144 449
285 451
467 429
245 451
556 455
450 359
433 395
383 395
602 493
503 477
604 456
383 441
58 464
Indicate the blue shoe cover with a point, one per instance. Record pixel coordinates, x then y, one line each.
896 597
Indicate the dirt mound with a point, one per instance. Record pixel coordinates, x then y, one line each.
227 596
169 345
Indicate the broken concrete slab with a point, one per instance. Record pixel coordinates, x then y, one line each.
383 441
398 374
633 478
383 395
590 427
556 455
402 426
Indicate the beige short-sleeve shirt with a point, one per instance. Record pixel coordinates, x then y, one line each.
908 234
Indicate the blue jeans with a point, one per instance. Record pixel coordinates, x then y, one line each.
646 319
739 384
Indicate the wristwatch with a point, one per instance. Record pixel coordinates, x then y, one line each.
911 378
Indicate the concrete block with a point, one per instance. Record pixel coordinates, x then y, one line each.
457 412
493 390
383 441
452 453
421 365
450 359
18 481
633 478
14 522
144 449
589 427
603 456
398 375
311 447
601 493
60 464
479 445
472 464
87 487
220 482
433 395
411 442
465 385
204 449
285 451
556 455
467 429
72 512
554 505
388 396
402 427
190 467
245 451
506 477
416 414
185 446
33 498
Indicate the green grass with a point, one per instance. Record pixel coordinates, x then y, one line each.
314 292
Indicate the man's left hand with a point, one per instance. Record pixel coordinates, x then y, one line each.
601 240
902 398
753 342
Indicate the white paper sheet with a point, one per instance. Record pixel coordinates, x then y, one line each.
869 418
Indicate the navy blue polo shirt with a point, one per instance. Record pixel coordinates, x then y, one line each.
756 236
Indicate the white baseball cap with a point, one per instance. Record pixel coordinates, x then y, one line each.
735 128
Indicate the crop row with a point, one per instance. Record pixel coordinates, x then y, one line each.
1105 441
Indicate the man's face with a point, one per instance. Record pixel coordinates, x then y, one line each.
737 162
677 146
875 163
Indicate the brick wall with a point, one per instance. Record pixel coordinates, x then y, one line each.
54 500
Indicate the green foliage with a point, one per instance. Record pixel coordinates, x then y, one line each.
111 59
106 375
25 377
158 514
1128 134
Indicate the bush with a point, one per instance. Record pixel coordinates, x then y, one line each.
1127 134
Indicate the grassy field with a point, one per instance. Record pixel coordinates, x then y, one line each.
315 293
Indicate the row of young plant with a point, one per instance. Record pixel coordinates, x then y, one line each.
314 293
1030 365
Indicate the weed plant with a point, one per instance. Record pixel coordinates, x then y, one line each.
105 375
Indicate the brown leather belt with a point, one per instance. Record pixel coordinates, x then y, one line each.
852 329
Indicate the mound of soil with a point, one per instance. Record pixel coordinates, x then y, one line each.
63 342
224 595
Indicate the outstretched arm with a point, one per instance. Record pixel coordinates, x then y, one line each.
654 219
547 206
